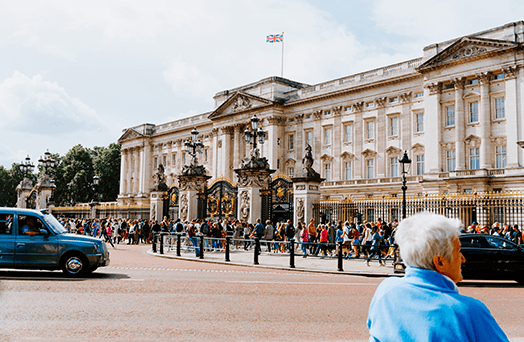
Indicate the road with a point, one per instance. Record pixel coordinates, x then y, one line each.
145 298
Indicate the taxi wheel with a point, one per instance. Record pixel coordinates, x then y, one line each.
75 265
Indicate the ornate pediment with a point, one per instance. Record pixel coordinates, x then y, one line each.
347 155
326 157
393 150
368 153
472 141
239 102
418 148
466 49
130 134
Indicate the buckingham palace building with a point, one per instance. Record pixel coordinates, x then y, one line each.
458 111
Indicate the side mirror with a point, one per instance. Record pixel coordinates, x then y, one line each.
44 232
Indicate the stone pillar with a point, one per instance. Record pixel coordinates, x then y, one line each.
358 140
299 143
44 188
156 207
317 136
336 143
123 180
305 193
227 162
380 136
460 122
250 184
236 147
23 190
137 176
432 128
405 121
512 122
214 162
275 131
486 162
190 186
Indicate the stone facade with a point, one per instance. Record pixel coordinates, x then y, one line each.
458 111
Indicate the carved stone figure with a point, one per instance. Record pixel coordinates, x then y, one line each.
244 206
183 207
300 210
307 163
159 179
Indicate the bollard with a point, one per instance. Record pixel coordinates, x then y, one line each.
178 238
154 243
227 248
161 243
292 253
340 263
257 250
201 236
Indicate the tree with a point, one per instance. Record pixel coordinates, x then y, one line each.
75 176
106 162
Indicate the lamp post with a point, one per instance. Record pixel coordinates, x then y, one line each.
406 163
251 135
26 166
193 146
96 181
46 162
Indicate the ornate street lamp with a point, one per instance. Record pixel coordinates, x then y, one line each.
46 162
26 166
193 146
406 164
96 181
251 135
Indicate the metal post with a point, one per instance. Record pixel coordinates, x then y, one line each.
161 243
257 249
201 236
178 238
154 243
228 238
340 262
404 188
292 253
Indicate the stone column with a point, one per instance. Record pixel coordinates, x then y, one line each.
358 140
317 137
214 157
275 131
337 142
227 160
136 171
123 165
514 129
23 190
432 128
405 121
380 136
299 143
460 122
305 193
486 162
236 147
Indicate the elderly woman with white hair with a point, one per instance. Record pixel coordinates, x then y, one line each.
425 304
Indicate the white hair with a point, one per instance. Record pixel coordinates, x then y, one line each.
425 235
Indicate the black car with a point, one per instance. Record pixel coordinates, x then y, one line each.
487 257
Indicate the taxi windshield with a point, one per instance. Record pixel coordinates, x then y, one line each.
54 224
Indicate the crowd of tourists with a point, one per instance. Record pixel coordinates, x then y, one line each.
365 240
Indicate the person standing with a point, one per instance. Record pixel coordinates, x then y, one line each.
425 304
304 235
312 236
269 235
377 242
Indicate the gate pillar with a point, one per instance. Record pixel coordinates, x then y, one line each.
306 189
189 187
251 182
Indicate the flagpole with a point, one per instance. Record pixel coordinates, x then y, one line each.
282 63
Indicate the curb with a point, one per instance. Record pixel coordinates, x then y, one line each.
282 268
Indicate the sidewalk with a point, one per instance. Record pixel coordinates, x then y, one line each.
282 262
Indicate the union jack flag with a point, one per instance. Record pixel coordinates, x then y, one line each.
275 38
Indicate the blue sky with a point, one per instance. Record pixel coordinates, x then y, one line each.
81 71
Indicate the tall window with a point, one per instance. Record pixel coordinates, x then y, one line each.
393 167
450 116
164 160
450 160
474 158
348 133
206 155
499 108
174 160
347 170
474 112
370 168
420 164
500 157
155 163
183 158
393 126
327 136
290 171
291 142
369 129
309 138
420 122
327 172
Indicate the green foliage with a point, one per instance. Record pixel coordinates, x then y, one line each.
73 175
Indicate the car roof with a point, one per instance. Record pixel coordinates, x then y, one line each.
23 211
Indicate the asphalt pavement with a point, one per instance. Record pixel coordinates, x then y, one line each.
282 261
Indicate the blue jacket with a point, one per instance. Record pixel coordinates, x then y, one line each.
426 306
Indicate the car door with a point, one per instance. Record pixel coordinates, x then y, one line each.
473 248
37 250
7 240
509 257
